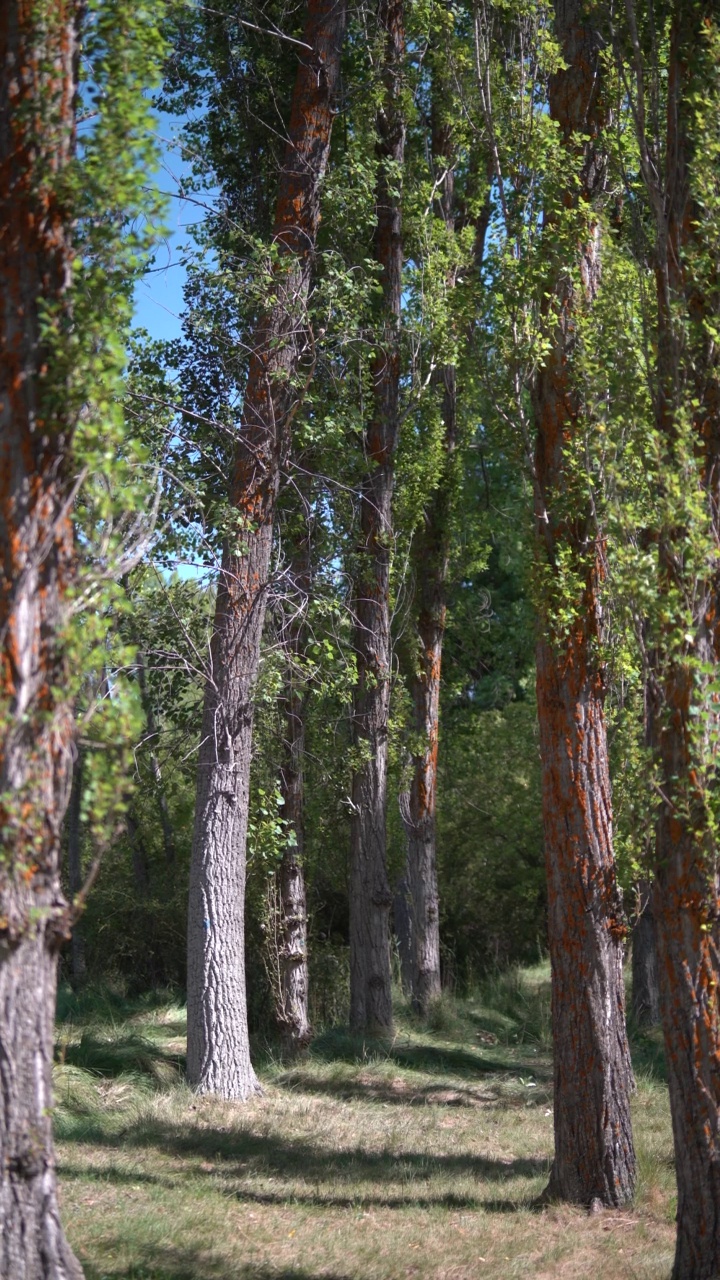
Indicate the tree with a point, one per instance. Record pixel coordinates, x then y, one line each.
218 1049
370 895
675 97
430 560
292 923
37 107
67 275
594 1155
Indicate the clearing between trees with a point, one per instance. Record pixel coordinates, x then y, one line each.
416 1158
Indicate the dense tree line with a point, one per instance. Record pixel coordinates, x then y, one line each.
376 615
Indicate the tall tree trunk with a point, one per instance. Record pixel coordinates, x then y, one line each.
687 636
78 966
38 52
645 979
218 1047
370 894
594 1155
294 982
431 551
293 1016
431 556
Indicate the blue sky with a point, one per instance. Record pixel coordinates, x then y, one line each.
159 294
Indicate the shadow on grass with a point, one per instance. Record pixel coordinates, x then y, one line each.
338 1046
96 1003
181 1264
321 1176
112 1056
394 1093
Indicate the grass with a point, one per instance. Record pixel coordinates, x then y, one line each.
361 1162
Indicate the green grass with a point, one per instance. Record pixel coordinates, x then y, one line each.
419 1158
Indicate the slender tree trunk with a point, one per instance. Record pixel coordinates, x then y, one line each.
218 1047
431 556
38 52
594 1155
292 1013
645 980
370 894
688 641
294 982
78 966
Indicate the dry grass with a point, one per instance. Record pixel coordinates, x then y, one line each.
417 1160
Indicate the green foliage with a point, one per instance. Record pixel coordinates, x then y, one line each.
490 842
116 218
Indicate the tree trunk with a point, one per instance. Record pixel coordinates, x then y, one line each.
431 555
292 1012
38 51
370 895
683 709
594 1155
645 981
218 1047
294 986
78 966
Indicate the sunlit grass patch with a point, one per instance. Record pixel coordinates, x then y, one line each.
416 1157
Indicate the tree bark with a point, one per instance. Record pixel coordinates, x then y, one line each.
645 981
683 710
218 1047
431 554
370 894
38 53
594 1155
431 557
292 1013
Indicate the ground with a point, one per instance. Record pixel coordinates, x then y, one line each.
417 1159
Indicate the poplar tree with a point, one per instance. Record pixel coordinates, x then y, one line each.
38 67
66 264
370 895
594 1154
671 73
218 1047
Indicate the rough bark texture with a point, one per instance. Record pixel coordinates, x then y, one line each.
292 1013
37 87
645 981
594 1156
688 885
431 556
218 1049
370 894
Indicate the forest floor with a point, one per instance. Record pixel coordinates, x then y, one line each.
417 1159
